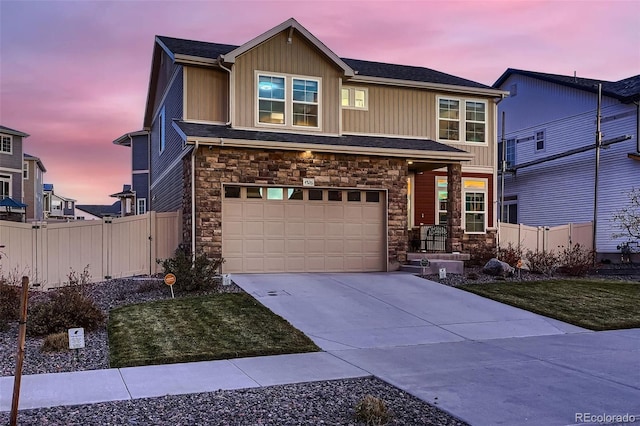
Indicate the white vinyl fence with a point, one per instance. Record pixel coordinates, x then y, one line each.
545 238
48 252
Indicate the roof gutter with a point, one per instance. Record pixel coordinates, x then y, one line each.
426 85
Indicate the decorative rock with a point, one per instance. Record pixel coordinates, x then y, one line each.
498 268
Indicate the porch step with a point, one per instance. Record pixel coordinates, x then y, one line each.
438 256
452 266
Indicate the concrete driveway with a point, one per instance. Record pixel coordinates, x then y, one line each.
485 362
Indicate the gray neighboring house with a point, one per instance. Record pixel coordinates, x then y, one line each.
33 176
56 206
11 164
99 211
139 144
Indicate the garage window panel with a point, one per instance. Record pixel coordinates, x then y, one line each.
315 194
353 196
253 192
294 194
335 195
232 191
275 194
373 197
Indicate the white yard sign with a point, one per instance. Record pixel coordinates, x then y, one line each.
76 338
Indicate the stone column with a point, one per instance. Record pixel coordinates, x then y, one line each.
454 208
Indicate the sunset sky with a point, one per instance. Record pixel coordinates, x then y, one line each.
74 74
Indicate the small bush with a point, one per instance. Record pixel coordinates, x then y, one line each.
64 308
192 275
542 262
372 411
481 255
510 255
56 342
9 304
576 260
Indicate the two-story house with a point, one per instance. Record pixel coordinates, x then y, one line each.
139 144
12 166
56 206
33 177
283 156
550 140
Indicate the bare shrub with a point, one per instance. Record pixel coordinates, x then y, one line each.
372 411
56 342
542 262
576 260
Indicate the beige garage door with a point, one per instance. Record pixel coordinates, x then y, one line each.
303 230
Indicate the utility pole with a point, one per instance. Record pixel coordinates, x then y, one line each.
595 189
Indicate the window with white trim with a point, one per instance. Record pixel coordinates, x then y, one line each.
25 170
459 118
355 98
288 101
161 123
474 193
5 186
5 144
540 140
142 205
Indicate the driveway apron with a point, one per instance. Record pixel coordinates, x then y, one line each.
483 361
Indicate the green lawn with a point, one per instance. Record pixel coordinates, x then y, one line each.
219 326
592 304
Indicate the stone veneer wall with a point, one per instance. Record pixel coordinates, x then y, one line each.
218 165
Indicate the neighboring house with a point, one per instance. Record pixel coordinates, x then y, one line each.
12 165
127 199
33 175
139 144
550 138
97 211
283 156
56 206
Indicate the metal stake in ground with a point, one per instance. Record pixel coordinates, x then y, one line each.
22 333
170 280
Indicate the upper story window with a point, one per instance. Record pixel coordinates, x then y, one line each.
25 170
288 101
5 144
355 98
462 120
540 140
510 155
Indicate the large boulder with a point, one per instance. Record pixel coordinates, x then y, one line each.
497 268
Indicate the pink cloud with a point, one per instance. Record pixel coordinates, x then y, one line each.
74 74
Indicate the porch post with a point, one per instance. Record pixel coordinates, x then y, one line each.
454 208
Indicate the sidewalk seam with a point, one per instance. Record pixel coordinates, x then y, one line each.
125 384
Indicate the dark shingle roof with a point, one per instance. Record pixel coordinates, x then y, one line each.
409 73
365 68
217 131
5 129
626 90
101 210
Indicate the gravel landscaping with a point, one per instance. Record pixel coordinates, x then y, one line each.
329 402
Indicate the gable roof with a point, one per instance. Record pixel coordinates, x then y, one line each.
13 132
346 144
354 68
626 90
36 159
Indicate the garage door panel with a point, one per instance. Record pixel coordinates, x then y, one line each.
295 211
273 229
335 246
314 247
282 235
295 229
253 210
253 246
274 211
253 229
334 212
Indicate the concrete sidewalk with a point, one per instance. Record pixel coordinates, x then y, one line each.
87 387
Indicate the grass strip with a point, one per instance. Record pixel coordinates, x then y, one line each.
592 304
212 327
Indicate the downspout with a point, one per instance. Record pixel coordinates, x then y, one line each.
228 123
637 127
193 201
